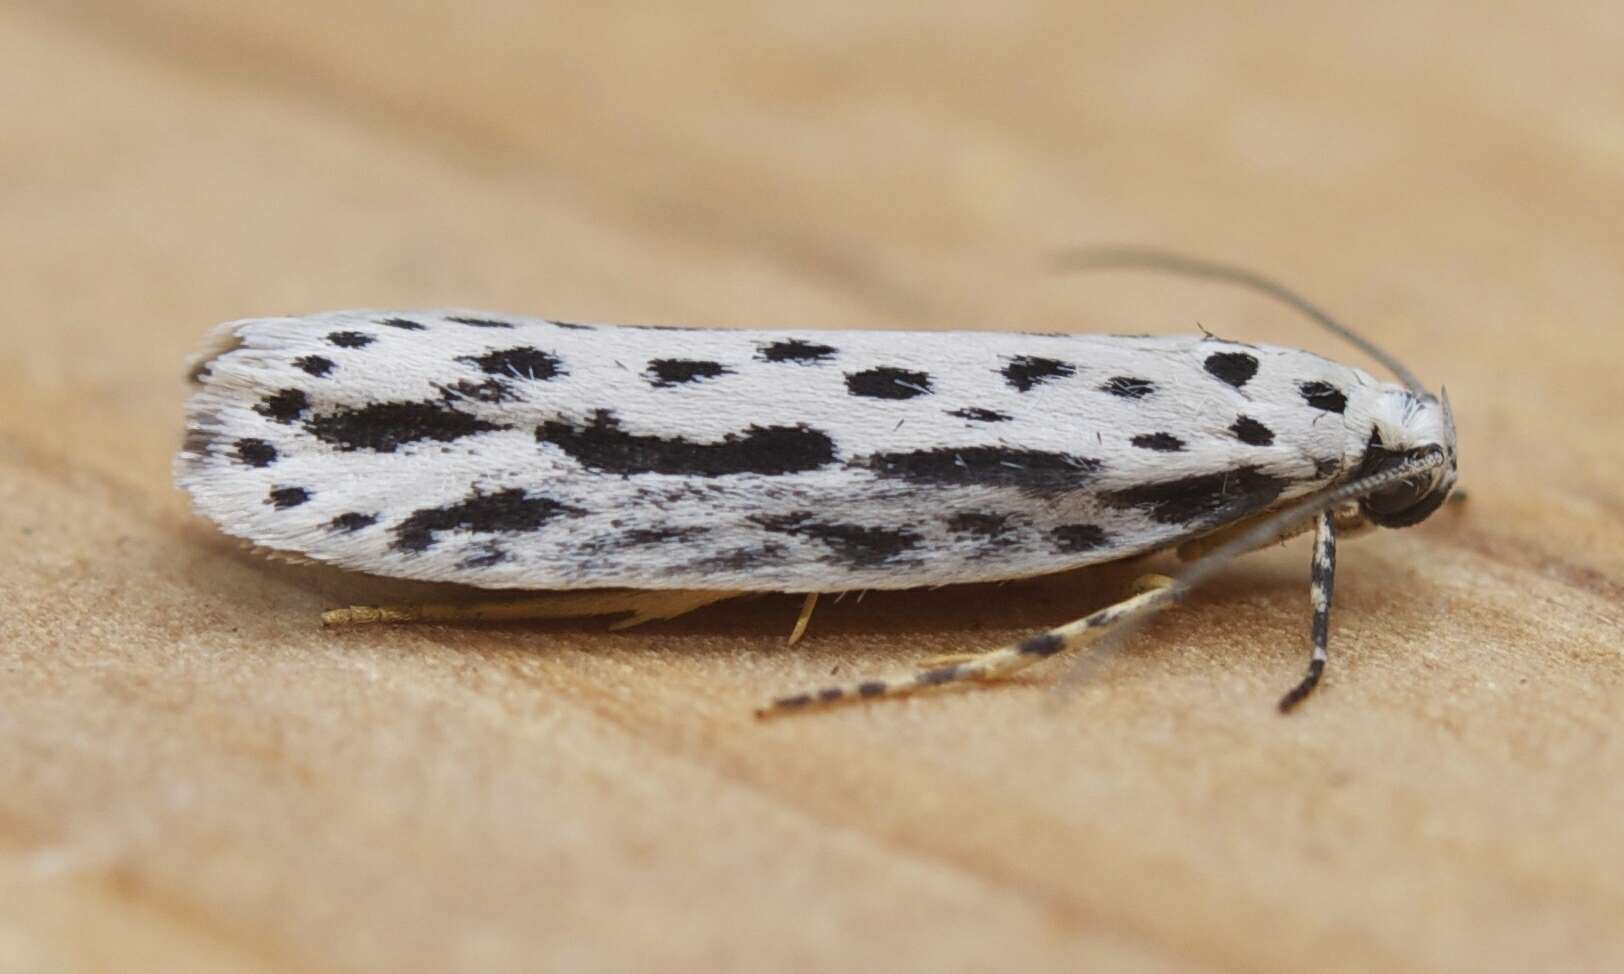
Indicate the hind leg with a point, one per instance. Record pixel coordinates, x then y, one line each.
1156 592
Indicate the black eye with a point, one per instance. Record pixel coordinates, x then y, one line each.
1397 499
1410 501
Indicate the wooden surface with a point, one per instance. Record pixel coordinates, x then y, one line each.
194 776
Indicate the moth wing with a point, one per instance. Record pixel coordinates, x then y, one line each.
510 452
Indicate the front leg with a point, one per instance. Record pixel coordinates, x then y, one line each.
1321 582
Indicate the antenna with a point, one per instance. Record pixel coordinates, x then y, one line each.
1102 258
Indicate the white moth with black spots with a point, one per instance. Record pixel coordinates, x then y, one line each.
520 453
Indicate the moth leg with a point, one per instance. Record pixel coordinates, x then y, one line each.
662 605
1321 582
642 605
802 620
1154 593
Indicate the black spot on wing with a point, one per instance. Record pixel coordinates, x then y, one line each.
1235 368
1025 371
352 521
654 536
314 365
740 559
521 362
385 426
765 450
1128 387
198 442
888 383
663 373
1072 538
1037 471
491 554
350 339
641 538
254 452
796 350
988 531
284 406
853 545
507 511
1323 395
283 498
479 322
404 324
1162 442
1213 498
981 525
976 415
491 390
1251 432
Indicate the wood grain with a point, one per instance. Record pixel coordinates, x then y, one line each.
196 777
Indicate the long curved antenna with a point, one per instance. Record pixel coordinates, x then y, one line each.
1099 258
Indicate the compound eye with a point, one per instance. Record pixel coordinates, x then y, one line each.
1407 502
1395 500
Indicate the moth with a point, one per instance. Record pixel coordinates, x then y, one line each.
508 452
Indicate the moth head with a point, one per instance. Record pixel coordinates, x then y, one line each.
1409 426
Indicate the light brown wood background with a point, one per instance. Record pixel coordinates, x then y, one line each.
193 776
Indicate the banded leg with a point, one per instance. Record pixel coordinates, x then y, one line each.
642 606
1321 584
1156 592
